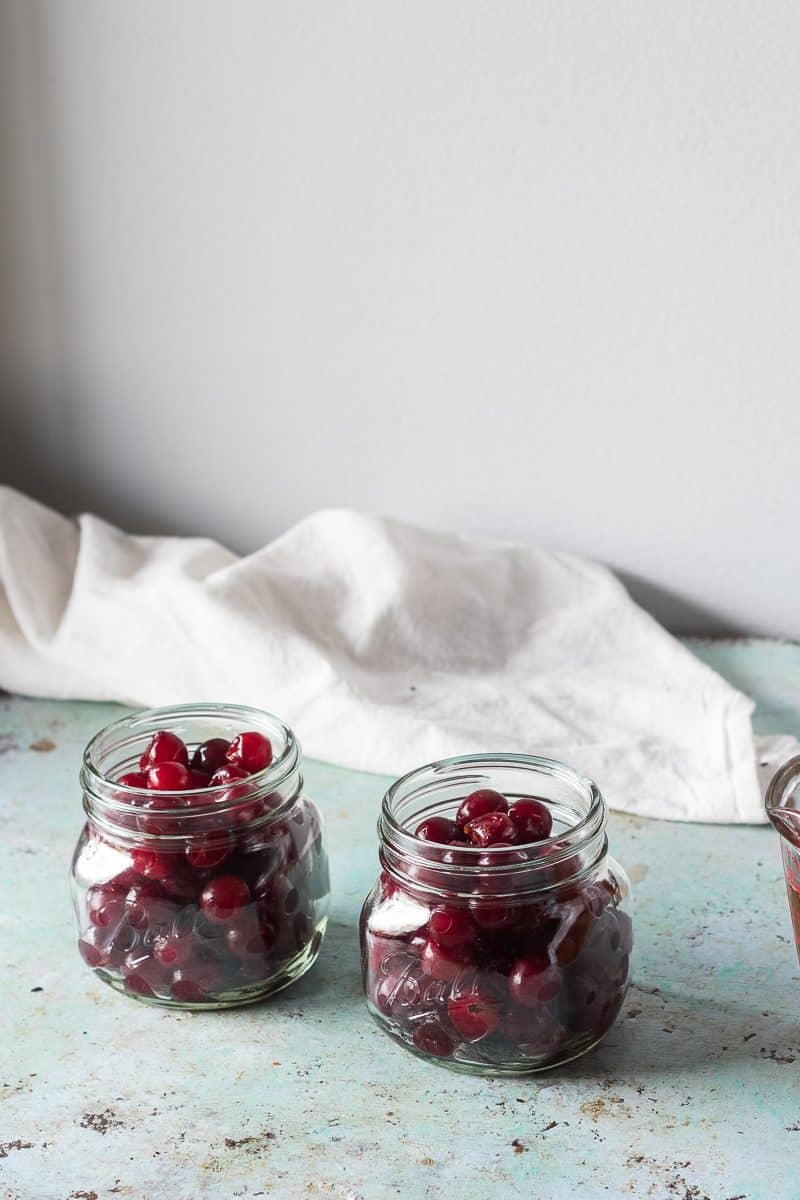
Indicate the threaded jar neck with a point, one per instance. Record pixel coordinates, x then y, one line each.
782 800
115 809
577 846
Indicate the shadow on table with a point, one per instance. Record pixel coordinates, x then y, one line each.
335 979
661 1033
658 1033
333 985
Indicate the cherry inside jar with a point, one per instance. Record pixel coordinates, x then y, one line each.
484 949
200 879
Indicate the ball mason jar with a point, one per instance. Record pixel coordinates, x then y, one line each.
504 960
205 898
782 803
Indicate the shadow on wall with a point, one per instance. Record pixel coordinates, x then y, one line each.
677 613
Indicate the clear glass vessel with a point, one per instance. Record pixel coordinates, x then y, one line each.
783 809
504 960
205 898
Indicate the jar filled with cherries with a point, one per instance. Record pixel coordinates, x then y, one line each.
498 936
200 879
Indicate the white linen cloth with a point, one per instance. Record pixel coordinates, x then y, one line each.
384 646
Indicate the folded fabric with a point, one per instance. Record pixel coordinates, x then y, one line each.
384 646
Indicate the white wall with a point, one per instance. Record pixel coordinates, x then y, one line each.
528 269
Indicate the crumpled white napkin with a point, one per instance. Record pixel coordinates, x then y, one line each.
384 646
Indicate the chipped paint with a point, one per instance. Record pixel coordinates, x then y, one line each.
101 1122
693 1093
43 745
18 1144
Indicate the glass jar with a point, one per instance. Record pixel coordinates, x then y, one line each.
204 898
782 803
504 960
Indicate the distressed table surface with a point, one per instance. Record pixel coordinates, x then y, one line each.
693 1094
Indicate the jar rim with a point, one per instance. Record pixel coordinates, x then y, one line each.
532 860
120 799
780 788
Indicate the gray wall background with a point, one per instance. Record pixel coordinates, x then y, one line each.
523 269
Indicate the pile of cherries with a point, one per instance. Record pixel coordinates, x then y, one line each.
215 898
487 977
486 818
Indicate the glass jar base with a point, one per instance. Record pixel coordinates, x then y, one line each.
577 1049
251 993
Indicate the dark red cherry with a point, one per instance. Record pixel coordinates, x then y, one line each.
533 981
173 949
474 1011
250 938
146 906
569 937
134 779
386 992
389 983
182 885
456 857
164 747
186 990
138 985
197 981
388 885
478 804
93 946
444 964
492 914
200 779
152 864
599 895
561 872
152 817
124 880
504 856
438 829
206 851
432 1038
229 773
168 777
245 813
382 952
210 756
532 819
105 904
250 750
141 968
423 877
278 896
492 829
234 779
264 880
223 896
451 927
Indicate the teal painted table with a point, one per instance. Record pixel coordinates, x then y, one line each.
694 1093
